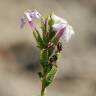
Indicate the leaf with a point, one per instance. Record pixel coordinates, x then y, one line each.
47 29
44 28
50 76
50 29
44 61
44 57
38 39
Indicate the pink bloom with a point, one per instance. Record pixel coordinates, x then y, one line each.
62 28
30 16
60 32
69 32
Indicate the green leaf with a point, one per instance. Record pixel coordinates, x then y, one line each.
50 29
44 61
50 76
44 28
47 29
38 39
50 51
44 57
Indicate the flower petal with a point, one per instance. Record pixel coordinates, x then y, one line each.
60 33
68 33
30 16
23 21
57 26
62 28
37 14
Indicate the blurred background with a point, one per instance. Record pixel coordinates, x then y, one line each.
19 58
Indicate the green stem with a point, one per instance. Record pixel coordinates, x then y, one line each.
43 89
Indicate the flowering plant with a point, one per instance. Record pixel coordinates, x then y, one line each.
48 38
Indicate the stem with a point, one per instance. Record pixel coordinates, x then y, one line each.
43 89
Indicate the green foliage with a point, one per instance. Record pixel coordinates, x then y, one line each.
50 76
38 39
44 61
49 45
43 38
50 51
44 28
44 58
50 29
47 30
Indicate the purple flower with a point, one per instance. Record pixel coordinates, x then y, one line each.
60 32
30 16
62 28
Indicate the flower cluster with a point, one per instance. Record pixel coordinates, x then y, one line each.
48 39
